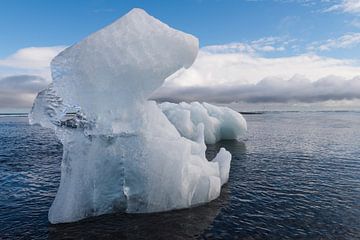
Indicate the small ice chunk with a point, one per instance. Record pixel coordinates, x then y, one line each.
220 123
224 159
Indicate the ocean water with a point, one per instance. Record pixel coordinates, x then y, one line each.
296 175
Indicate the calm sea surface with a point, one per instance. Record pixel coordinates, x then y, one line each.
296 175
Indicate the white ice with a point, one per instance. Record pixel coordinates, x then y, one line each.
220 123
120 152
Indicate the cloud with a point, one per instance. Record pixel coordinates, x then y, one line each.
229 77
219 76
262 45
31 58
268 90
349 40
346 6
20 90
212 69
30 61
23 74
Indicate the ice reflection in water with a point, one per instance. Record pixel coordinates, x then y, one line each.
180 224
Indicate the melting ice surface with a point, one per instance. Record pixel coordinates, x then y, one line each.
120 151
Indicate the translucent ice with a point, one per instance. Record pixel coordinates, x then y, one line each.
120 152
220 122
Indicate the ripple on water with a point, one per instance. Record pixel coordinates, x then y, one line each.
294 176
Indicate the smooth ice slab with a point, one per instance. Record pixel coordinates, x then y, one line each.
120 152
221 123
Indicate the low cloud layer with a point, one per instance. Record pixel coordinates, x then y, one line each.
268 90
219 74
23 74
19 91
30 61
249 78
31 58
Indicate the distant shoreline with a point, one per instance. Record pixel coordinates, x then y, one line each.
242 112
14 114
298 111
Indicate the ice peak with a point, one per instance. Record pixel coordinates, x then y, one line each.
122 64
137 12
137 16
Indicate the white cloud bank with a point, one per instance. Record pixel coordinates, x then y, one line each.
25 73
240 69
220 74
31 58
228 77
18 91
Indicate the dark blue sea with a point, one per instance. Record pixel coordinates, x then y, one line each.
296 175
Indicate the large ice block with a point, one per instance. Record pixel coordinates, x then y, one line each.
121 153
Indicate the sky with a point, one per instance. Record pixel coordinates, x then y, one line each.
252 51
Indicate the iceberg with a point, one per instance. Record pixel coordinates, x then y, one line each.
120 151
221 123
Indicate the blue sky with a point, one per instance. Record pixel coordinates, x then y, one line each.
295 41
48 23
